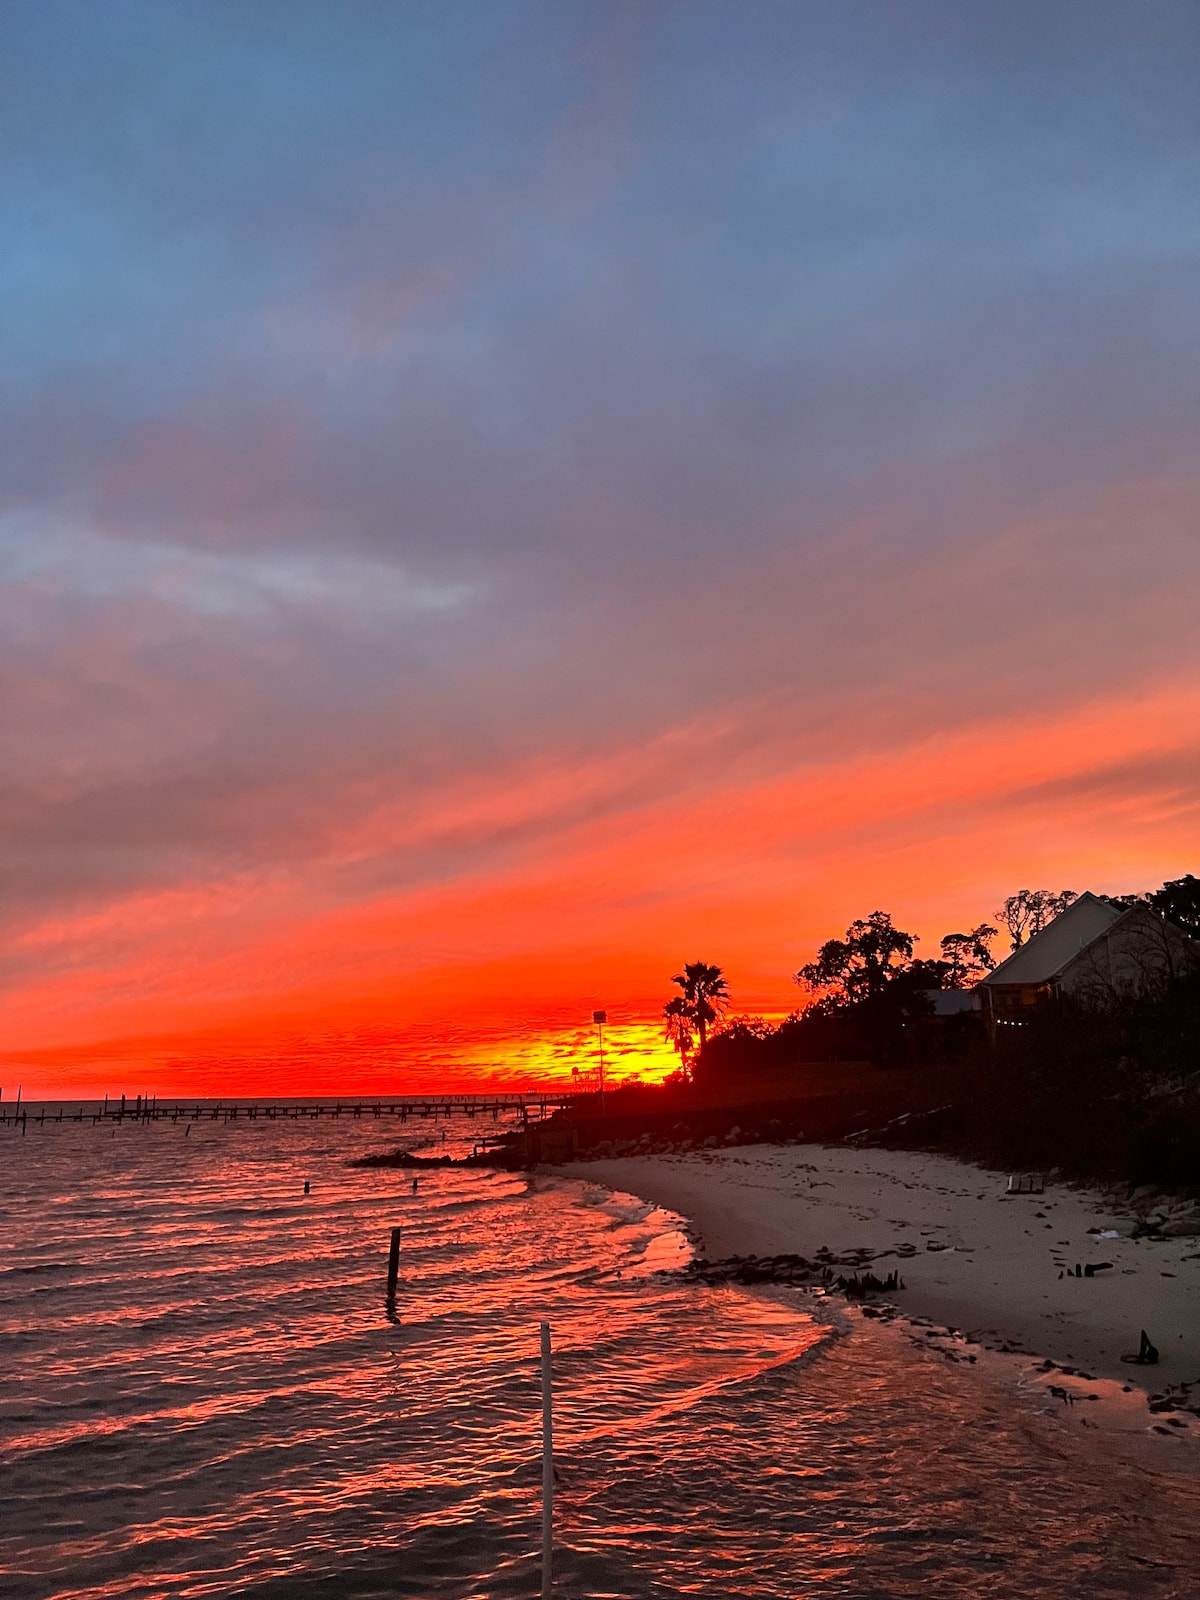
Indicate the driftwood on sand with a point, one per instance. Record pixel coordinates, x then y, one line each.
799 1271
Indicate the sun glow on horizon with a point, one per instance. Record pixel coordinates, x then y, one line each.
198 990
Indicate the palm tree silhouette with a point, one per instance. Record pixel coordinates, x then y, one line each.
705 994
678 1028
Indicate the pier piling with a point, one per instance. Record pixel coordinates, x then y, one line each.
142 1110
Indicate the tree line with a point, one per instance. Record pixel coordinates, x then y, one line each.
864 989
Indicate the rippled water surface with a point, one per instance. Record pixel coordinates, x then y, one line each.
204 1393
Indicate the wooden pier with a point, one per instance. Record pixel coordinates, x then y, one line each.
148 1108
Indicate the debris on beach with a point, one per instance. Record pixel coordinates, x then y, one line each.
1147 1354
1087 1270
798 1271
857 1288
1026 1183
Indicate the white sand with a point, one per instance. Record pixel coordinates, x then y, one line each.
997 1277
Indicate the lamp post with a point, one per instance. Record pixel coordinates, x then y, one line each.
600 1018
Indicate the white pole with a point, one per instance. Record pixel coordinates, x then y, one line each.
547 1466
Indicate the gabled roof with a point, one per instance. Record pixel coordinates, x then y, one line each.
1045 955
950 1002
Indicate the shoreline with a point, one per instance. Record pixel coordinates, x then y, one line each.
990 1268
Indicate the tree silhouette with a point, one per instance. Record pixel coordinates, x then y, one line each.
1029 910
705 995
740 1030
678 1028
1179 901
870 982
860 967
967 957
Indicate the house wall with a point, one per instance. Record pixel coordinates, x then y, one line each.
1010 1001
1140 954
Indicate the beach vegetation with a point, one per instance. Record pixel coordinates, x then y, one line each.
1102 1090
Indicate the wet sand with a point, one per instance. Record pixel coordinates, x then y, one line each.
992 1267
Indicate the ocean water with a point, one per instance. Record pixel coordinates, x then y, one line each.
205 1393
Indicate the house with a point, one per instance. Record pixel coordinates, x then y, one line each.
949 1002
1093 951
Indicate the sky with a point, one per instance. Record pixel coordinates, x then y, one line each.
497 501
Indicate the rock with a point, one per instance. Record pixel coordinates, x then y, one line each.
710 1143
1180 1228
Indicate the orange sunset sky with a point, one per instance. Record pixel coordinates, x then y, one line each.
477 534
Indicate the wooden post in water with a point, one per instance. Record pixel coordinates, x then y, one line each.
393 1263
547 1467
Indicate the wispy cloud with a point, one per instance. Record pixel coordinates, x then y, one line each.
95 570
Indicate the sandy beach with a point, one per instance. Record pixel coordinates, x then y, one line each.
996 1268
